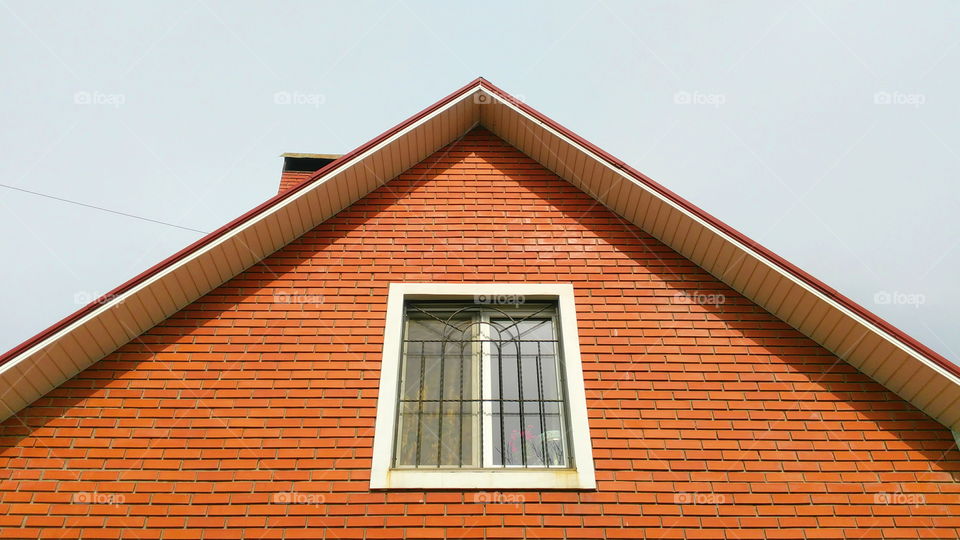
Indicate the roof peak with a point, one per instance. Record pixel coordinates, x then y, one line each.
840 325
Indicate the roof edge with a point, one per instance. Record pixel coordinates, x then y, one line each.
182 254
767 254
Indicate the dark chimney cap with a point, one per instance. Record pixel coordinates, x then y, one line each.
306 162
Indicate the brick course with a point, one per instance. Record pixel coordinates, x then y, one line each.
288 179
249 413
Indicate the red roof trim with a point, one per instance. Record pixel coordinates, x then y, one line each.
770 256
236 222
773 258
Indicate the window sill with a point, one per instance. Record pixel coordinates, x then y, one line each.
485 479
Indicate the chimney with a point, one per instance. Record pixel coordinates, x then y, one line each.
299 167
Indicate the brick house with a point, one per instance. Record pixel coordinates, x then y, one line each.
476 325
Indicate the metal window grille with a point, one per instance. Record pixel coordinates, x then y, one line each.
481 386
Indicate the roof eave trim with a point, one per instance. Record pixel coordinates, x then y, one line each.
223 234
809 283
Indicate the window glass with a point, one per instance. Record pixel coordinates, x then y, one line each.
449 416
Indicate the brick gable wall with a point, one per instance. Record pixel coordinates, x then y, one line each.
250 413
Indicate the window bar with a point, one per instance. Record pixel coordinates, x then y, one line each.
483 364
543 422
423 362
401 389
523 425
503 455
460 408
443 351
562 397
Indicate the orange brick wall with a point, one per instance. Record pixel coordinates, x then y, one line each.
250 413
288 179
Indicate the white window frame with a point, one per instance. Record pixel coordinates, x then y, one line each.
581 473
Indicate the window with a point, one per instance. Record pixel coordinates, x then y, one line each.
481 387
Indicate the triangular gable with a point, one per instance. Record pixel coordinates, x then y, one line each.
913 371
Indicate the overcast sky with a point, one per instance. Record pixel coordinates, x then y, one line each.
827 131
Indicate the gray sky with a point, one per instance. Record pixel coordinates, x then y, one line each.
827 131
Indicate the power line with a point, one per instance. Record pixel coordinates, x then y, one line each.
117 212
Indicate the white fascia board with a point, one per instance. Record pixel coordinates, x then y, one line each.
747 249
119 299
